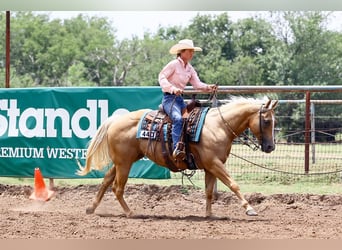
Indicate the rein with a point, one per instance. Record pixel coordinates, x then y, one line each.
256 145
226 123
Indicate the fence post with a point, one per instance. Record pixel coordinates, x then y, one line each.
8 63
307 132
313 133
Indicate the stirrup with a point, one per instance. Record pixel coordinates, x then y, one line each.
179 153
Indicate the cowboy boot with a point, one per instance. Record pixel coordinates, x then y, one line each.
179 152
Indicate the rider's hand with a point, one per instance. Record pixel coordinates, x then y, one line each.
212 88
178 92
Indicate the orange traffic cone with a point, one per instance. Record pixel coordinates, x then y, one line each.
40 193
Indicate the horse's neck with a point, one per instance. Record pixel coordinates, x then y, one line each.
238 115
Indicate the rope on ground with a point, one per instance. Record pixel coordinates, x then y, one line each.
286 172
188 174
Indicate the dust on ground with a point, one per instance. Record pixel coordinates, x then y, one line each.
166 212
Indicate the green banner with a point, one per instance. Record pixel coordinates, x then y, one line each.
50 128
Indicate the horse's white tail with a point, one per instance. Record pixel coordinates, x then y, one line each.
97 152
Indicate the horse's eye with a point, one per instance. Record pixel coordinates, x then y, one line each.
267 122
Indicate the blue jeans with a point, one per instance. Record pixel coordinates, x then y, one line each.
173 106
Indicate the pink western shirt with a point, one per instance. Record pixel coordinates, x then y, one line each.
177 75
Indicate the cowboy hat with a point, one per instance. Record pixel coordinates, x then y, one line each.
183 44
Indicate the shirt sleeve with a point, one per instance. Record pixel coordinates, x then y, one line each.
196 82
166 72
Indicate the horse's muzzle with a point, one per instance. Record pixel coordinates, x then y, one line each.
267 147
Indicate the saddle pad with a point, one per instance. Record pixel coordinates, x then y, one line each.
150 129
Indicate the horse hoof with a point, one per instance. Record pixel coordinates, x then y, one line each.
129 214
90 210
251 212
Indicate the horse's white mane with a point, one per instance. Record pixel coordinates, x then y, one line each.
242 99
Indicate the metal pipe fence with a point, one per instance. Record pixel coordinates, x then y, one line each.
309 152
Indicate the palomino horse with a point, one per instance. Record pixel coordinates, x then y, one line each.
115 143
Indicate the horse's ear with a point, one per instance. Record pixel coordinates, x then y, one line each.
274 104
268 103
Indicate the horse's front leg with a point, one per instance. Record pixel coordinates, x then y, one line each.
220 172
209 188
107 180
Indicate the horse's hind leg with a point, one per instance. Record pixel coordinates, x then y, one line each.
209 188
119 187
107 180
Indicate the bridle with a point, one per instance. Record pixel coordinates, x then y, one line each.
249 139
261 111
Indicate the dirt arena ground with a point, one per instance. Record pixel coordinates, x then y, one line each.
166 213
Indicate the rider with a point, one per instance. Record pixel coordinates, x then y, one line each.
173 78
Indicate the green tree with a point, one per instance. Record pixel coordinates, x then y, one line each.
93 42
149 62
43 50
213 34
313 57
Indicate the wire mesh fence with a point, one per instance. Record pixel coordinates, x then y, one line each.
286 164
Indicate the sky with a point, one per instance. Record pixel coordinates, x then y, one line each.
130 23
136 23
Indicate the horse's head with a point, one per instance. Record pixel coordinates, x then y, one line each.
263 124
